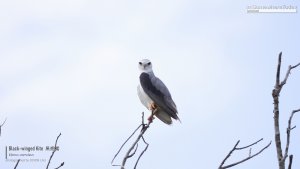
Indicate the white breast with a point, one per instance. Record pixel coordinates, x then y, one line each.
144 98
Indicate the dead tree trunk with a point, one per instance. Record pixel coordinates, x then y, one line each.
275 93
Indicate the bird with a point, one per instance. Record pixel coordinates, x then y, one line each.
154 95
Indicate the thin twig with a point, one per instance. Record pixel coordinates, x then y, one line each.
62 164
134 146
290 162
288 73
240 148
248 158
278 70
17 164
112 161
250 152
229 154
2 126
145 149
288 133
143 130
133 153
243 160
55 149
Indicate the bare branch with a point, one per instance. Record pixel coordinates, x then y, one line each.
134 146
250 152
288 73
3 122
275 93
240 148
245 159
133 153
17 164
2 125
295 66
55 149
229 154
288 133
112 161
278 70
145 149
143 130
293 128
62 164
290 162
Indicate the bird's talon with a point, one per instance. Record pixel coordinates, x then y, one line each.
152 106
150 119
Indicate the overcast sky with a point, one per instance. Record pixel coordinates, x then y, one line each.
71 67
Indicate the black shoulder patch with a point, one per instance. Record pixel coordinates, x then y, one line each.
148 87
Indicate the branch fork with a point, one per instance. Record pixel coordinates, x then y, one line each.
132 150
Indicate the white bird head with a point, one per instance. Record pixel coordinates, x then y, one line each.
145 66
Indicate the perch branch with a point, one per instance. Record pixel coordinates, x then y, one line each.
55 149
143 130
112 161
134 146
241 148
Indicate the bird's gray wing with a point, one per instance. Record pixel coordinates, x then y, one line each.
159 93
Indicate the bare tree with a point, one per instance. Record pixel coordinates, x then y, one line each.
282 156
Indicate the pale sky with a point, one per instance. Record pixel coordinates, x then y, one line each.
72 67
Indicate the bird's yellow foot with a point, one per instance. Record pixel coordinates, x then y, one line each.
152 106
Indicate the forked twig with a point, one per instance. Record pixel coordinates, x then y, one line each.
145 149
134 146
112 161
288 134
55 149
241 148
